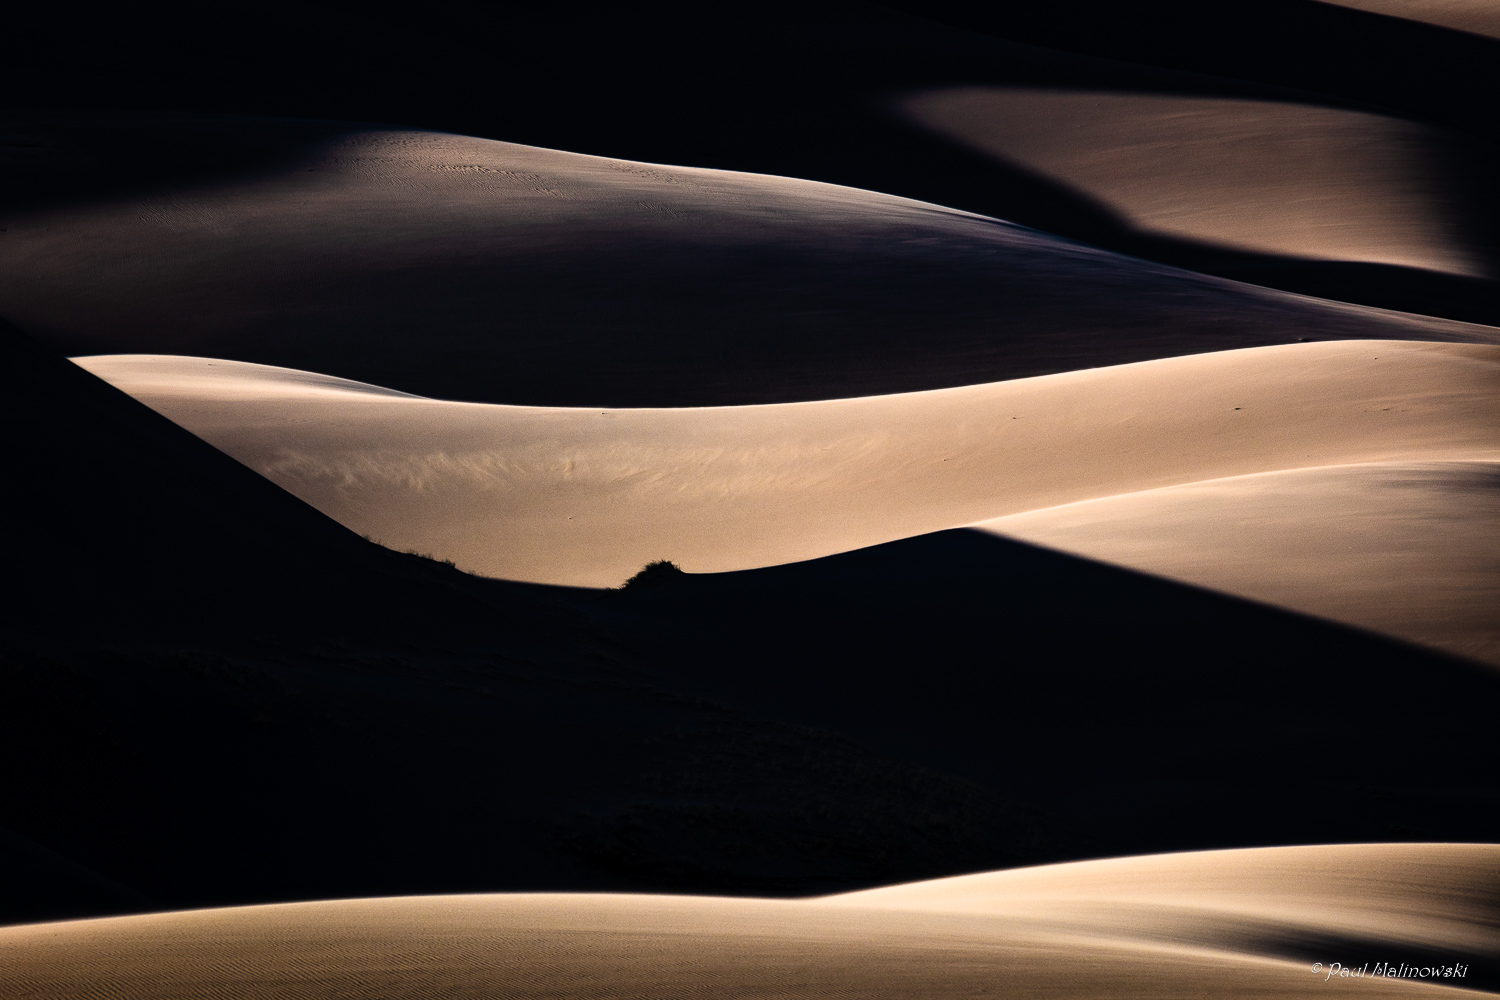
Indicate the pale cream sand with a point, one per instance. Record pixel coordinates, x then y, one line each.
468 269
587 497
1293 179
1479 17
1215 924
1411 549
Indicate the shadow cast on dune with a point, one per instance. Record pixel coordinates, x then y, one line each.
823 115
214 694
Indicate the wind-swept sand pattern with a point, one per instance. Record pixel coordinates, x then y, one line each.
587 497
1305 181
1230 924
1411 549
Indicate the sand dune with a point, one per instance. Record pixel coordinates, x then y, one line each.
485 271
1432 895
1294 179
1409 549
1225 924
1480 17
259 706
587 497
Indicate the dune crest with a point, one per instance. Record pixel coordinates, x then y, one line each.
587 497
1411 549
463 268
1228 923
1304 181
1479 17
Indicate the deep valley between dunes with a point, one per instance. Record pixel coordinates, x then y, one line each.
215 694
755 501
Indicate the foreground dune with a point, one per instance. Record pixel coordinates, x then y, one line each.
463 268
1411 549
1292 179
1231 924
587 497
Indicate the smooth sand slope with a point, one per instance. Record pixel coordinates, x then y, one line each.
1408 548
1278 178
587 497
1481 17
258 705
485 271
1228 924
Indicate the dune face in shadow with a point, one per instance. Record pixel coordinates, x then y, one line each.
1222 924
1298 180
1409 549
1481 17
254 707
587 497
468 269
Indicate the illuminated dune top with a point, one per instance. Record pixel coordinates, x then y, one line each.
587 497
1279 178
1407 548
469 269
1480 17
1219 924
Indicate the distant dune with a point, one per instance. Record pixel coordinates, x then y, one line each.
1294 179
1410 549
1280 922
468 269
1481 17
1126 464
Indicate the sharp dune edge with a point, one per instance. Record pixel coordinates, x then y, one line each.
1411 549
469 269
1480 17
586 497
1294 179
1225 923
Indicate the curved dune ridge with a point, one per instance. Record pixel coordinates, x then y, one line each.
1479 17
1407 548
1222 923
1292 179
586 497
470 269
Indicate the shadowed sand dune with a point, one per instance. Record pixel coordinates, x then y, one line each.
1197 925
586 497
1292 179
1481 17
468 269
213 694
1410 549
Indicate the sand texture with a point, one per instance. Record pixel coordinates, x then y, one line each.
587 497
1292 179
483 271
1411 549
1225 924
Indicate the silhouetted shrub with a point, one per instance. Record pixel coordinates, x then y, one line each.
654 573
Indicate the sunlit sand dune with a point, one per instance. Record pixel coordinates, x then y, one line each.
484 271
1293 179
1481 17
588 496
1409 549
1230 924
